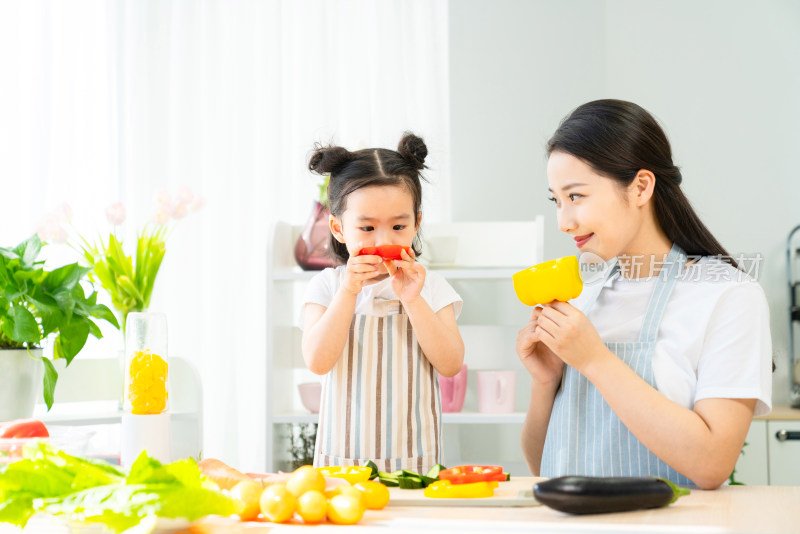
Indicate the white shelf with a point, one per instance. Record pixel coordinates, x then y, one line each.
460 418
489 273
489 321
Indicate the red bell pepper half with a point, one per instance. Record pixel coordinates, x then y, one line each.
23 428
387 252
466 474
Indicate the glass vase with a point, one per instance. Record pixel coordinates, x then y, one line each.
312 250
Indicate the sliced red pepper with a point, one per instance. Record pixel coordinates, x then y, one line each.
387 252
23 428
466 474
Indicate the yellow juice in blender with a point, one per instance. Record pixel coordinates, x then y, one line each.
146 380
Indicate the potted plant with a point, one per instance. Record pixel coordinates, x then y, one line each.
37 304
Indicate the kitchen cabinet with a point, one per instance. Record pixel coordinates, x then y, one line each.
489 322
773 450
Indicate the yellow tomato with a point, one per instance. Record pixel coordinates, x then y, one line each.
277 503
345 509
312 506
376 495
345 489
304 479
248 499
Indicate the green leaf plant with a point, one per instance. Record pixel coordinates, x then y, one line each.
36 304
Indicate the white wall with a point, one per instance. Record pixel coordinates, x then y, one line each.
723 77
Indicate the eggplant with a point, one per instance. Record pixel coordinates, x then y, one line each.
596 495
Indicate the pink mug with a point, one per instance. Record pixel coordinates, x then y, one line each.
496 391
453 389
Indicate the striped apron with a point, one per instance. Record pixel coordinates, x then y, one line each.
584 435
381 400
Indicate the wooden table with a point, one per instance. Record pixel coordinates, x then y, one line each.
762 509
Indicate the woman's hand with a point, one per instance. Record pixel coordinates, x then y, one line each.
408 277
566 331
360 269
544 366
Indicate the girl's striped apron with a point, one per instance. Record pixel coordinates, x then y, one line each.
585 436
381 400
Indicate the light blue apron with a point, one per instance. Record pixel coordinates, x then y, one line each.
584 435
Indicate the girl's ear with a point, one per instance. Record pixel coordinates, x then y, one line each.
419 221
336 228
642 187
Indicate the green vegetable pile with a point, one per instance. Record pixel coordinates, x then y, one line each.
404 478
50 481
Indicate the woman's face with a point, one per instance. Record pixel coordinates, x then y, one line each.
601 216
377 215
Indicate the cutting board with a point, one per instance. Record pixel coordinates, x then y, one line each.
511 493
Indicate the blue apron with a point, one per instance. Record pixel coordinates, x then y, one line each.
584 435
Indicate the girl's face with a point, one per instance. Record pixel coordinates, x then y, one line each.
601 216
376 215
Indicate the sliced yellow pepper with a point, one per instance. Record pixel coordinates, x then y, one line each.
558 279
147 383
352 474
444 489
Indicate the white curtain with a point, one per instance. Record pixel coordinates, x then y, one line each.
114 100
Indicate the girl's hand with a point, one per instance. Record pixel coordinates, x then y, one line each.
568 333
543 365
408 276
360 269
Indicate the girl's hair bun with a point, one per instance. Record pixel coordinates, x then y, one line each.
329 159
413 150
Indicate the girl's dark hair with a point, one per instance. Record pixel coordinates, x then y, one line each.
350 171
618 139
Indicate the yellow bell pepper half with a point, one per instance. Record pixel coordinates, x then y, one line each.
352 474
558 279
444 489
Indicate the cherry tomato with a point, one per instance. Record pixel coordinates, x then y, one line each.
247 493
344 509
305 478
277 503
376 495
312 506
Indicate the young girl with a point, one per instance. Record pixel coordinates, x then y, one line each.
379 330
658 368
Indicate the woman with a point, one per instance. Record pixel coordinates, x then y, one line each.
658 367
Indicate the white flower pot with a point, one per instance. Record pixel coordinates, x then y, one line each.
20 382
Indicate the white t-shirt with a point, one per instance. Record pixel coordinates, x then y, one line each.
436 292
713 341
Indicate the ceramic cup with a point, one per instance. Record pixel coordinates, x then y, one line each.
310 393
453 389
496 391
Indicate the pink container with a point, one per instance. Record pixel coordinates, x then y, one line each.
453 389
496 391
310 393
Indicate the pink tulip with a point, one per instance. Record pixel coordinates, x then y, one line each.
185 196
178 209
162 214
50 230
64 212
115 213
198 202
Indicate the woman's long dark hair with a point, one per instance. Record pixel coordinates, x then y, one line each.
351 171
618 139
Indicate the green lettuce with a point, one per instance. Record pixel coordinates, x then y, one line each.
53 482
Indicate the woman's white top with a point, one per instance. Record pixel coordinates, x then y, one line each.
714 339
436 292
